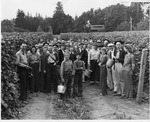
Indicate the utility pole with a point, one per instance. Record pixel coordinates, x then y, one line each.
131 23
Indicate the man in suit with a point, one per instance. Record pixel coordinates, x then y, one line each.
61 54
72 54
43 68
84 57
119 55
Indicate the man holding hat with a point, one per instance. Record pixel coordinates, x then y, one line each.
22 69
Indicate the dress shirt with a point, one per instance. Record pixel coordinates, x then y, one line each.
93 55
21 57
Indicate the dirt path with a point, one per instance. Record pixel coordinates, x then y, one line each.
42 106
112 107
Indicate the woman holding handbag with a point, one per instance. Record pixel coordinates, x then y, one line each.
103 71
109 64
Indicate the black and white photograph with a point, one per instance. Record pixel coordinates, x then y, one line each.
75 60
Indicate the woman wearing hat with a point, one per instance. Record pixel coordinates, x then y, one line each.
103 71
34 59
127 71
110 83
119 55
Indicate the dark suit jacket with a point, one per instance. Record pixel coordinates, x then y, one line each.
72 56
60 56
43 61
84 56
121 56
57 57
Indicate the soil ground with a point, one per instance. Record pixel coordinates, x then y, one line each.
42 106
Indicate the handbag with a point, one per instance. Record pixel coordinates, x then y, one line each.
110 63
61 89
87 72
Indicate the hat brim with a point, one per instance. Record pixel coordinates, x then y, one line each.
118 41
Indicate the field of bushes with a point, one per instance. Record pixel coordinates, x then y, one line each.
10 45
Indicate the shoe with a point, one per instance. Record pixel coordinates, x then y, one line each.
117 95
122 97
92 83
97 82
130 98
24 102
114 92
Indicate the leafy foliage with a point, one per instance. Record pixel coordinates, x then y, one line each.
7 26
124 26
9 79
143 25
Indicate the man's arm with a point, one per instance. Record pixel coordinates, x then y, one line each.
89 57
62 70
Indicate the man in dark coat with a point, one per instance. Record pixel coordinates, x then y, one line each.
84 55
61 54
43 69
72 54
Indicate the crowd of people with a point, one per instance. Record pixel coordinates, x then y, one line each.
46 65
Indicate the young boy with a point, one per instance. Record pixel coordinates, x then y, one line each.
79 67
66 73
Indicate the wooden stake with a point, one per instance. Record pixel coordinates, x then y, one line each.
142 74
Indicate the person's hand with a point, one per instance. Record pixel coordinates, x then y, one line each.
44 71
62 80
73 72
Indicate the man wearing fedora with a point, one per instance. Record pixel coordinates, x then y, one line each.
22 69
119 55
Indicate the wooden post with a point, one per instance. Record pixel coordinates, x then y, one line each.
142 74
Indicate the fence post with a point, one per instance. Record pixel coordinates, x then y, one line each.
142 74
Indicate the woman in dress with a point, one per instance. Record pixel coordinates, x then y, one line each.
103 72
127 71
34 59
110 83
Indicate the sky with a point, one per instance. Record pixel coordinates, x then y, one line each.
46 7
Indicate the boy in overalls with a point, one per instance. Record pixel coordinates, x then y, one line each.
66 73
79 67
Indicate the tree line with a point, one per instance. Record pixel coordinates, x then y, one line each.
114 18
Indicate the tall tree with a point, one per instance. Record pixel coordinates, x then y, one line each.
45 26
135 11
60 21
58 18
7 26
114 16
20 19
